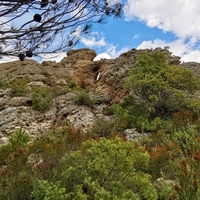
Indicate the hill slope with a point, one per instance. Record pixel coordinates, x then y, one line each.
37 97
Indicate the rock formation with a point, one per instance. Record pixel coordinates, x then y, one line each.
18 80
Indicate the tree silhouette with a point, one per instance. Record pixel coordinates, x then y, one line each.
34 27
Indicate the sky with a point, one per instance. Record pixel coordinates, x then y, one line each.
148 24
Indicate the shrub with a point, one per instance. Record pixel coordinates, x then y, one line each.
71 84
144 124
46 190
15 174
102 128
164 89
19 139
59 90
107 169
42 99
19 87
84 98
133 114
110 110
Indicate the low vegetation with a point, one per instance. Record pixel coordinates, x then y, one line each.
42 99
83 98
66 164
102 128
18 87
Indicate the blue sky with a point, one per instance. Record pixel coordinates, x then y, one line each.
150 24
147 24
121 35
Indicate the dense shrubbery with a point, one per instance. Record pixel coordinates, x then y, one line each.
67 164
158 93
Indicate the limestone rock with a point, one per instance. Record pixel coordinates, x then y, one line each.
4 97
23 117
19 101
133 134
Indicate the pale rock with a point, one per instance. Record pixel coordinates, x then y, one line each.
19 101
81 118
133 134
36 84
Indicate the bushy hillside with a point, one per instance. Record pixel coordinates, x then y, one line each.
132 133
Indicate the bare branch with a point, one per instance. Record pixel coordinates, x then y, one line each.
35 25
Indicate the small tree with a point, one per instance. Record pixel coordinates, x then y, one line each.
185 162
15 174
107 169
19 139
163 88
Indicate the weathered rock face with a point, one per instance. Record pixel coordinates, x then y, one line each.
195 67
17 112
105 78
81 54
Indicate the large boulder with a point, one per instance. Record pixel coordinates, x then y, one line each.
81 54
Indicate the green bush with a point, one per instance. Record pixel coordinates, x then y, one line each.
128 112
84 98
102 128
19 87
107 169
145 125
48 191
134 116
59 90
110 110
42 99
71 83
19 139
164 89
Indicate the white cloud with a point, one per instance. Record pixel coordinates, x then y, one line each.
57 57
5 59
179 16
94 39
176 16
113 2
192 56
136 36
98 41
178 47
102 56
111 51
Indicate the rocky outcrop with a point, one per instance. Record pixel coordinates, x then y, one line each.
195 67
105 78
81 54
17 112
